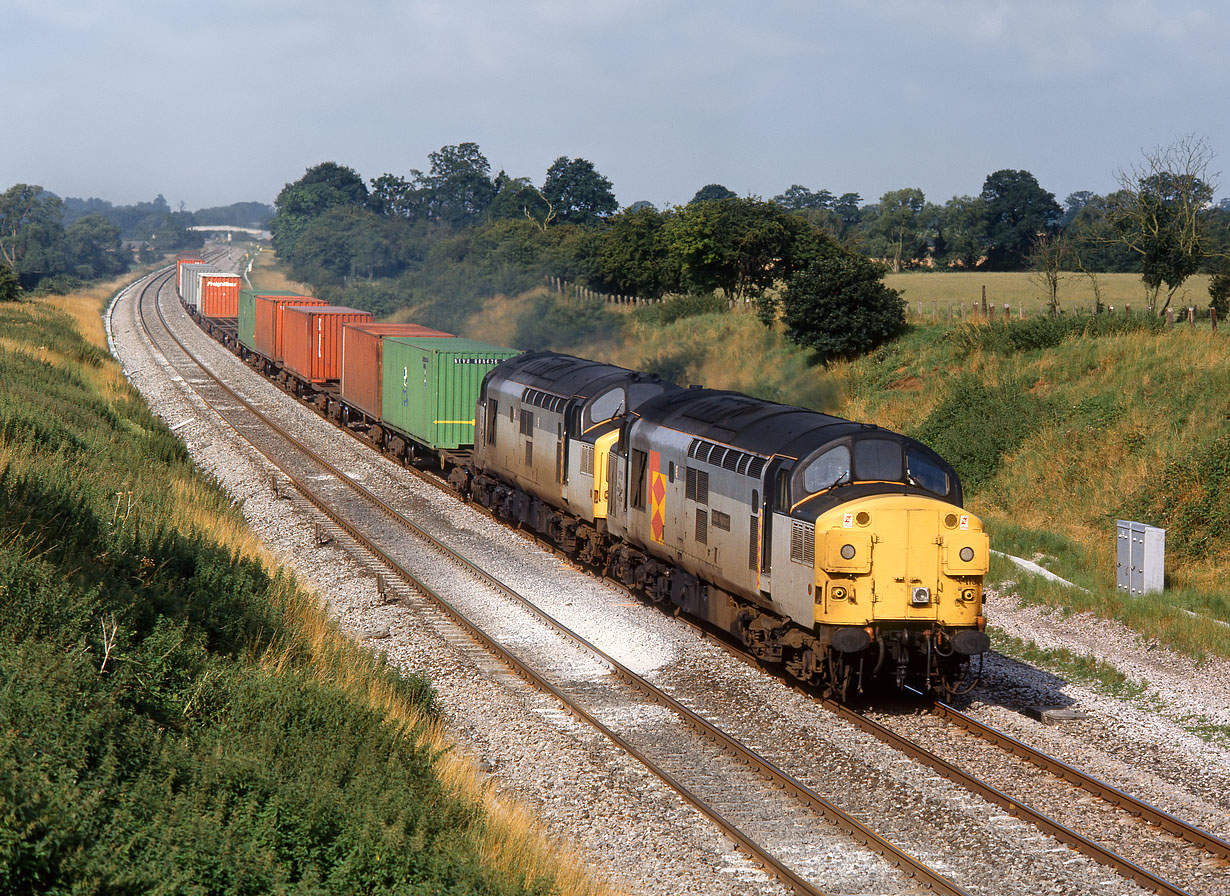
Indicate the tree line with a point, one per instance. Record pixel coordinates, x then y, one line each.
53 244
443 238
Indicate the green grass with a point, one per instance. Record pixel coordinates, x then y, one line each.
176 714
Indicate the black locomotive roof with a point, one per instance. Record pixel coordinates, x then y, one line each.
568 376
750 424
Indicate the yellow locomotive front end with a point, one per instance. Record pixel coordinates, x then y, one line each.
907 570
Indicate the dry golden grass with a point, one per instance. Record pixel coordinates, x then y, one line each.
267 275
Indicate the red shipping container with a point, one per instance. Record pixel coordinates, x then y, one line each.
268 330
312 339
362 353
220 295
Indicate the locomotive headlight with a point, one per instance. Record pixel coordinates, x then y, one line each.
967 594
847 552
837 592
966 554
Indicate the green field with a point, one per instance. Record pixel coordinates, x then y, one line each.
949 293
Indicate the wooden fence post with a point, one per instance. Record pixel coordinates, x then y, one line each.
1007 312
1213 318
1169 318
1191 315
984 300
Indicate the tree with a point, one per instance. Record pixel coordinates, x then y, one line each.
458 187
93 248
710 192
634 256
899 222
577 192
1163 212
1017 210
740 246
839 306
29 217
517 199
10 285
798 199
1047 260
325 186
959 232
1219 293
395 197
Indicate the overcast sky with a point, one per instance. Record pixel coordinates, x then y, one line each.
213 103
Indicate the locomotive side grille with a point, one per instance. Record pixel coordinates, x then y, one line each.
689 487
702 487
702 527
803 544
721 521
529 454
587 460
753 543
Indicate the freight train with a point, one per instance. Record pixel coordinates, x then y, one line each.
838 551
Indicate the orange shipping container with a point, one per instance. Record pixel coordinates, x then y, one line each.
362 352
312 339
268 330
219 295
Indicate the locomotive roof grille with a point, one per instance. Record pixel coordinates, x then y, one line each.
727 458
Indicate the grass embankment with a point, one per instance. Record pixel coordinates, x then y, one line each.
175 714
1058 428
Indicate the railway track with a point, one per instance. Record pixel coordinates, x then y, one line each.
331 493
723 779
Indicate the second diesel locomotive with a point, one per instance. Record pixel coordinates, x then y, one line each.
838 549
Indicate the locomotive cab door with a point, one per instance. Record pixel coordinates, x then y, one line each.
602 478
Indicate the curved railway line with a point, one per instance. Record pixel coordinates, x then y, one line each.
711 769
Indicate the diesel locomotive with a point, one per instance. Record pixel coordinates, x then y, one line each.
838 549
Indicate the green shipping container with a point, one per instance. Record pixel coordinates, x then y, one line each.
247 313
430 387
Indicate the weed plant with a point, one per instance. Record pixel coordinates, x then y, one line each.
175 716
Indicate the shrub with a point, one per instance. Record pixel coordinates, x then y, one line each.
553 323
839 306
1219 293
1191 501
975 426
679 307
1035 333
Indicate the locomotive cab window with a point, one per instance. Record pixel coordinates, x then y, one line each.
829 469
924 472
606 406
878 460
